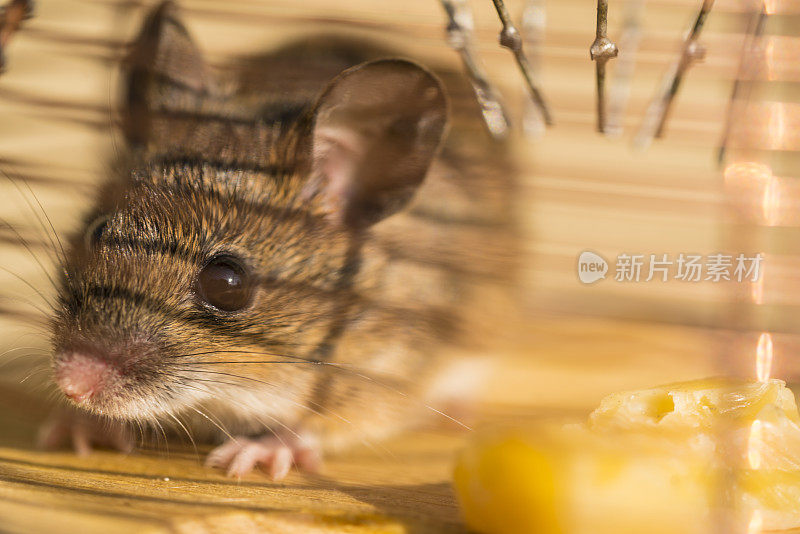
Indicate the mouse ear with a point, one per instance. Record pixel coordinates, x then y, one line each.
376 130
164 71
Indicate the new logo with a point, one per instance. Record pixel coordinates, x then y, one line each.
591 267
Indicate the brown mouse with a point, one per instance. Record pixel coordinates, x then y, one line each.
284 258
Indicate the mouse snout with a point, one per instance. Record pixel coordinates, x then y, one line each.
82 375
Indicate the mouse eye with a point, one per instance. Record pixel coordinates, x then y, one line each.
95 230
225 284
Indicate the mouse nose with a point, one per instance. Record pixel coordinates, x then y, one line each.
80 376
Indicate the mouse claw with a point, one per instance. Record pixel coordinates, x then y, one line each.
223 455
274 454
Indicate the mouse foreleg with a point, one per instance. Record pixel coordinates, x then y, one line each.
83 431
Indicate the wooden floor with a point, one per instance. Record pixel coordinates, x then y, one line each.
404 487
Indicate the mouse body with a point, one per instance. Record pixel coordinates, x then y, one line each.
286 254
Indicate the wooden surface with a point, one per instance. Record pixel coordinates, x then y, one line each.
57 134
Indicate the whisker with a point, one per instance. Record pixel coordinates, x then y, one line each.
241 405
203 362
296 360
213 423
12 349
37 370
33 210
135 421
49 222
355 372
41 314
379 448
245 406
188 434
34 288
267 427
163 433
24 242
40 353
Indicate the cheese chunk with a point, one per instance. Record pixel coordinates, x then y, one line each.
713 455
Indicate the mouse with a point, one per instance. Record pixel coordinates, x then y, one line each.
286 256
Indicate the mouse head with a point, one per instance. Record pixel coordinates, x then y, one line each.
217 267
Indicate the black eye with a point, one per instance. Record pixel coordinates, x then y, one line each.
95 230
225 284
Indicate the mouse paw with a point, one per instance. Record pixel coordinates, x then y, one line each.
83 431
275 454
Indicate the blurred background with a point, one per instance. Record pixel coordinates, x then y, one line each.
580 190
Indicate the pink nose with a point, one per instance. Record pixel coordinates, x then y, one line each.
80 376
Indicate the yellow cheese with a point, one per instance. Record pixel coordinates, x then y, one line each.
715 455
